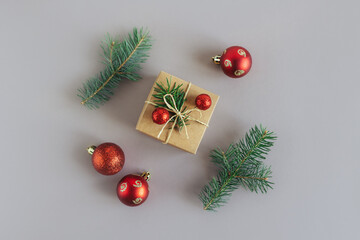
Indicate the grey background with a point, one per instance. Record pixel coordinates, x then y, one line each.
304 85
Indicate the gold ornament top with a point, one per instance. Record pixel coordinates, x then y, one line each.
146 176
216 59
91 149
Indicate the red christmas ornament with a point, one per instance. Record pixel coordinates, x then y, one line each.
107 158
160 115
203 101
235 61
133 190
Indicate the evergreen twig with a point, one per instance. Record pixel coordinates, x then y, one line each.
122 61
178 94
240 165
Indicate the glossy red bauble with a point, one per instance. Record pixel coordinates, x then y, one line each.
160 115
107 158
235 61
203 101
133 190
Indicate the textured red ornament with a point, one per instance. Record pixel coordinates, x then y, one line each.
133 190
236 61
107 158
203 101
160 115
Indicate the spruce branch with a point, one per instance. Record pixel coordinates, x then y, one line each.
122 61
240 165
178 94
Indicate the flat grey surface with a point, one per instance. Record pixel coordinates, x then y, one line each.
304 85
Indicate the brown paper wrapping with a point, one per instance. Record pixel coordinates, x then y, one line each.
178 138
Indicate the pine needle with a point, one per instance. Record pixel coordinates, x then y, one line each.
240 165
122 61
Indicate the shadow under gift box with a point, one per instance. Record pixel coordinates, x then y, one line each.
178 138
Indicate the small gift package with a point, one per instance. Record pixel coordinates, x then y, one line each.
181 124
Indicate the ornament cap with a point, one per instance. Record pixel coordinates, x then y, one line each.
216 59
91 149
146 175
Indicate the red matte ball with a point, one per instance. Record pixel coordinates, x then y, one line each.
203 101
133 190
236 61
108 158
160 115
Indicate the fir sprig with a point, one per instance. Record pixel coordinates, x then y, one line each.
122 61
240 165
178 94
